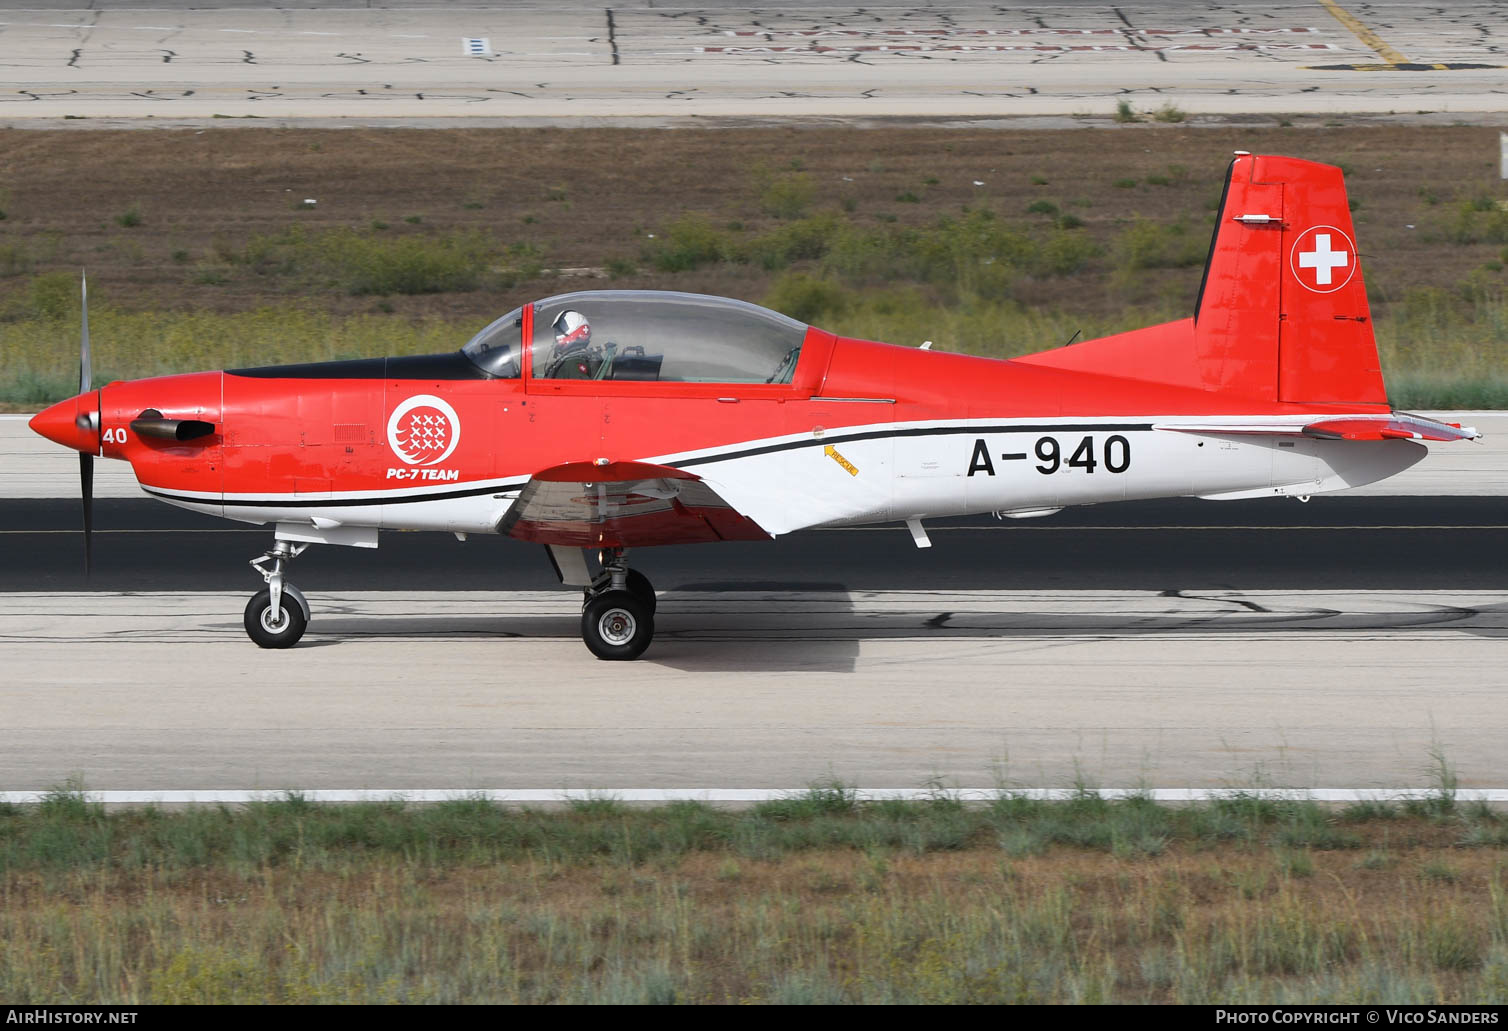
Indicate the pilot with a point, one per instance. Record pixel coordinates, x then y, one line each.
573 356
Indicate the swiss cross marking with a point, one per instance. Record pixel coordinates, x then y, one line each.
1322 259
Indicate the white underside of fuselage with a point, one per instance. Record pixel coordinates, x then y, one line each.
894 471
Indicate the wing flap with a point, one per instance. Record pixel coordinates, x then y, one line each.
623 505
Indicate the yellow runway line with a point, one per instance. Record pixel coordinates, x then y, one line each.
1361 32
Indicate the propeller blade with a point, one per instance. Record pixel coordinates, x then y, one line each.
86 373
86 492
86 460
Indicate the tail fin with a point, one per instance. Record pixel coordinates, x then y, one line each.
1282 312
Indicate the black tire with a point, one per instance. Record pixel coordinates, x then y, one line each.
617 625
270 633
639 586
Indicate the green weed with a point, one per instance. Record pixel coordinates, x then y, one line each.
692 240
1149 244
785 195
617 268
15 258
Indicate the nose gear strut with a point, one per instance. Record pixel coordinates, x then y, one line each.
270 620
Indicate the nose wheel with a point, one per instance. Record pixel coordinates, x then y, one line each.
279 627
618 614
278 616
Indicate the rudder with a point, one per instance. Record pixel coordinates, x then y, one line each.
1283 301
1282 313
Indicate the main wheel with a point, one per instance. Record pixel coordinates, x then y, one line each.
280 629
639 586
617 625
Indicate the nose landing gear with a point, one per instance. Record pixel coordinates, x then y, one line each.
278 616
618 612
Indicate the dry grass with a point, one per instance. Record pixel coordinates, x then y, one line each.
972 926
445 229
587 196
814 899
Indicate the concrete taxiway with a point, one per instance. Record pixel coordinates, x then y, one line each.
457 691
646 62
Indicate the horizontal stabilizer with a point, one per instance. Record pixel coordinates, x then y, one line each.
1398 426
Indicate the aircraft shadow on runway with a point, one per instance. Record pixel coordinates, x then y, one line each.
819 627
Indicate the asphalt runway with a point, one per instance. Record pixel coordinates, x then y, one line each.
123 61
1338 542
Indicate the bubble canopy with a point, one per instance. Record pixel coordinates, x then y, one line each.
495 350
645 335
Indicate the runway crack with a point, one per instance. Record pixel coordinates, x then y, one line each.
1250 605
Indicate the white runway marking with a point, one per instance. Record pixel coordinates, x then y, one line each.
537 796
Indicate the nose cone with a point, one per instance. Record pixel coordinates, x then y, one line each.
73 423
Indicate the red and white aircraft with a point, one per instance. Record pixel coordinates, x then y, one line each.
601 421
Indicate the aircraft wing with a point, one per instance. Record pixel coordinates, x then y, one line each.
623 505
1397 426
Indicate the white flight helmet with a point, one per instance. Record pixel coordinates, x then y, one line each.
572 328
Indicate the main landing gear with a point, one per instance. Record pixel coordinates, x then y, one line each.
278 616
618 612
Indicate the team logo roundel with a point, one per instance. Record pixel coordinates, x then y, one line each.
424 430
1323 259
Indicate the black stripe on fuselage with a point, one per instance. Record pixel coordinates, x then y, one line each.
920 431
722 456
453 365
400 499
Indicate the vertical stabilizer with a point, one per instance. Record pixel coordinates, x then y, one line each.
1283 307
1284 303
1282 312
